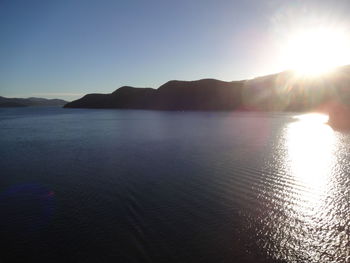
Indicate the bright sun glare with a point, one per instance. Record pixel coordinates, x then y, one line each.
317 50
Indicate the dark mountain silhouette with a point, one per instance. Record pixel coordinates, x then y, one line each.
278 92
19 102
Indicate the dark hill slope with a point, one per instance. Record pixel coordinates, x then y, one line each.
205 94
123 98
208 94
278 92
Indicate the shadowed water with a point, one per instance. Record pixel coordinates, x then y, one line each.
151 186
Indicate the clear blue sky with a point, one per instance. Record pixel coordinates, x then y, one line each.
67 48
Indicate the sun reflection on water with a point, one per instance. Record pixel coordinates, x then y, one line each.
311 147
308 224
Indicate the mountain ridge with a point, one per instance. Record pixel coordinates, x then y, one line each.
30 102
283 91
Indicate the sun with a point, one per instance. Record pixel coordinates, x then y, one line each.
315 51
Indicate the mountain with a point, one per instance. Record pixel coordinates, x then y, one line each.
284 91
19 102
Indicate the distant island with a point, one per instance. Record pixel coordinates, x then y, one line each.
278 92
21 102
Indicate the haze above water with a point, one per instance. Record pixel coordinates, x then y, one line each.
150 186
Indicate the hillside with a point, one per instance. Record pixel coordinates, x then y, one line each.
278 92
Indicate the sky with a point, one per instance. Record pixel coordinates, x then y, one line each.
67 48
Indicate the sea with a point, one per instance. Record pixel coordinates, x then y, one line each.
107 185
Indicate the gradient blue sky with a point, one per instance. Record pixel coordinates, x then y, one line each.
65 49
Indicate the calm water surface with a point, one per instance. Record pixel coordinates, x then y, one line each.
150 186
